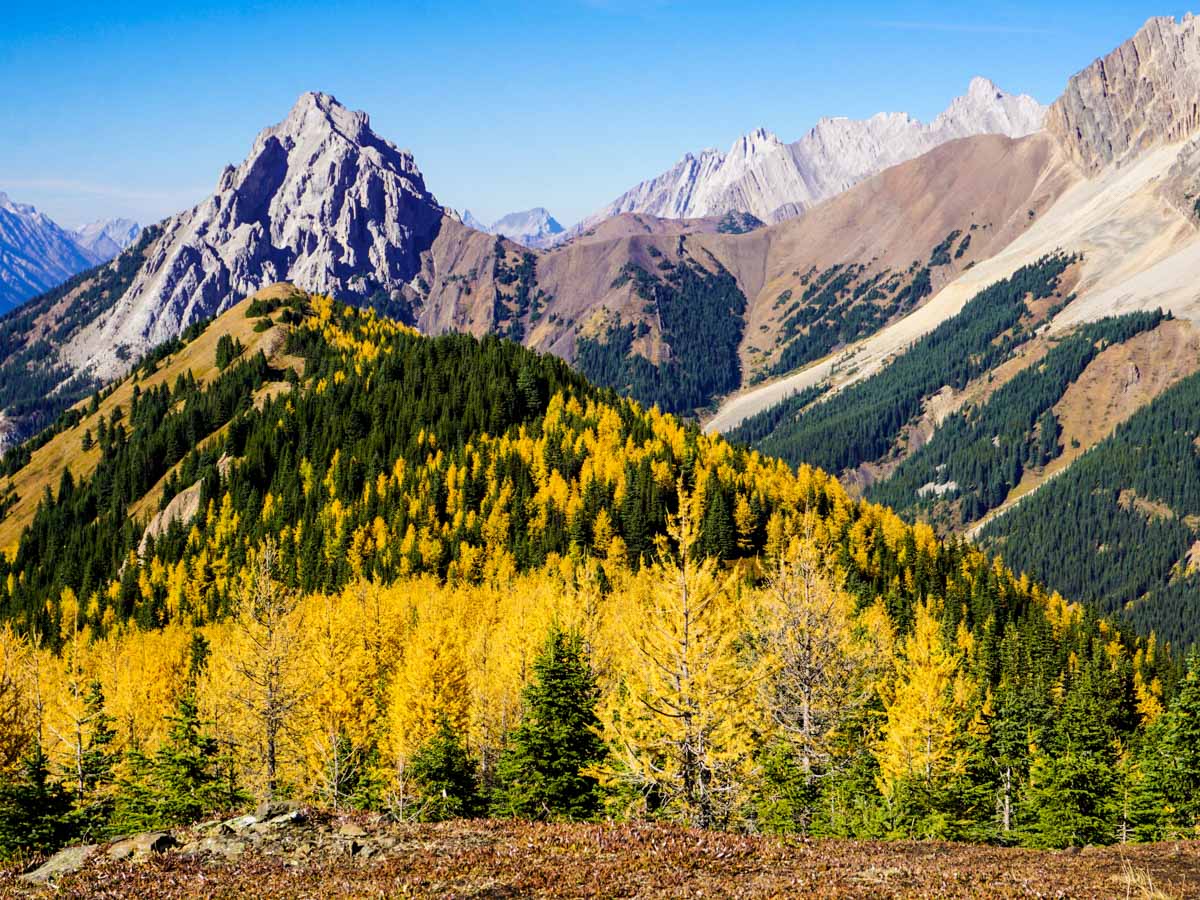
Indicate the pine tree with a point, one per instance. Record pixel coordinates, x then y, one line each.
680 721
821 674
179 783
924 744
266 671
1074 782
135 807
185 775
444 774
545 774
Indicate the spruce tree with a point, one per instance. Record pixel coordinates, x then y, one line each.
184 768
135 807
445 776
34 810
1074 778
1171 763
543 774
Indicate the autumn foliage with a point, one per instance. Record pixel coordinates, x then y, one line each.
357 613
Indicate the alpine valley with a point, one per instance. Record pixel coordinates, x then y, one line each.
845 489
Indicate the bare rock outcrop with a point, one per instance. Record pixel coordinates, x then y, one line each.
774 180
321 201
182 508
1145 93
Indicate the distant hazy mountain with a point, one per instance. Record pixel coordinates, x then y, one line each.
532 227
774 180
35 253
470 221
105 238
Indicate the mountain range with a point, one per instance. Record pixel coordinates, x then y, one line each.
105 238
1024 240
37 254
773 180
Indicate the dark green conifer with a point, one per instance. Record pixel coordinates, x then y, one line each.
444 773
544 773
1171 762
34 809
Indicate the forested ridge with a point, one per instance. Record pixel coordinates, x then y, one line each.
867 417
978 455
699 315
443 577
1118 528
843 304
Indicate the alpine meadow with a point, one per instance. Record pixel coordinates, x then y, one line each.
816 518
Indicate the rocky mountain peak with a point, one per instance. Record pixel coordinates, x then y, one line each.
531 227
105 238
760 140
983 90
469 219
1144 93
772 180
321 201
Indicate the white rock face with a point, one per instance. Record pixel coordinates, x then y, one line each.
321 201
36 254
531 227
1143 94
774 181
105 238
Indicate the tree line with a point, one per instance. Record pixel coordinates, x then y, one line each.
415 573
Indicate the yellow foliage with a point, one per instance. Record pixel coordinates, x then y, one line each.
925 705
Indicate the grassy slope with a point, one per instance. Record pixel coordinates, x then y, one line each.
45 468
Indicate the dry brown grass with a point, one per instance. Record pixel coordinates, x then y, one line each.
47 464
508 859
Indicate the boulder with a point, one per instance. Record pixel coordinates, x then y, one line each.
217 845
272 809
142 845
64 862
237 824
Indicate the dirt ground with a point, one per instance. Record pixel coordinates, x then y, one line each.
506 859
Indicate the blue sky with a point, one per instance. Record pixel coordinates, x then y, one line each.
132 108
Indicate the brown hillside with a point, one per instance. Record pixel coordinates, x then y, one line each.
891 222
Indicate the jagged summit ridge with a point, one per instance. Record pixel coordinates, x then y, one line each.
1144 93
774 180
321 201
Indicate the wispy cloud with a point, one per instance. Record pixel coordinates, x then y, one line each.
961 27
